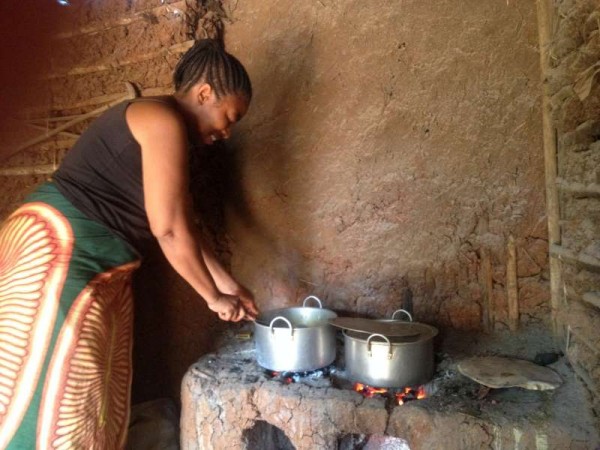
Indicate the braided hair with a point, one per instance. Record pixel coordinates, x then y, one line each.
208 62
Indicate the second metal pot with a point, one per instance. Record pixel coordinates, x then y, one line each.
295 339
383 361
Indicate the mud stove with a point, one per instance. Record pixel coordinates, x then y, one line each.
229 402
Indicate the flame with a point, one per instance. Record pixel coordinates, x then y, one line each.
409 393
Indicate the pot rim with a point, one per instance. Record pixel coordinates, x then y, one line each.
261 319
362 337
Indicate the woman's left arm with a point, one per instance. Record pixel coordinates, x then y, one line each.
225 282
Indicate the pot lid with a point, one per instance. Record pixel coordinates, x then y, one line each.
390 328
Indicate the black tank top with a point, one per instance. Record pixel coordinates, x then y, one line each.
102 176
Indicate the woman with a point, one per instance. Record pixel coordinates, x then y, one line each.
67 255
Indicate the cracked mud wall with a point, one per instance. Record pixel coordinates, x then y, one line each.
574 103
391 151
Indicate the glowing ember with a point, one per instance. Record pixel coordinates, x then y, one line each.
410 394
368 391
401 397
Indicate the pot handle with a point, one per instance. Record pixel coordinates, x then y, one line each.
313 298
410 319
286 321
386 340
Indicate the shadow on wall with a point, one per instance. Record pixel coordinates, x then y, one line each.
258 186
26 28
173 328
173 325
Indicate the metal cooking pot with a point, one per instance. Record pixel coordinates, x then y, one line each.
295 339
390 361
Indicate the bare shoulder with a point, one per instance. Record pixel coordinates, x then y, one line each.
148 118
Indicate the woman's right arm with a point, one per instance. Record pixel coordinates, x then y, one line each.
161 133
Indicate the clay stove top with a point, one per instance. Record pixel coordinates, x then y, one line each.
227 397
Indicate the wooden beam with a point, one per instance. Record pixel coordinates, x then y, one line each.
546 13
512 288
583 261
578 189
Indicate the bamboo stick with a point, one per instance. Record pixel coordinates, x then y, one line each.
512 289
62 144
578 189
139 15
58 145
62 133
584 261
176 48
545 13
91 102
42 169
593 298
131 93
37 121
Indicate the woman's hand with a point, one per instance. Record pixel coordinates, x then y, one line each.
247 301
226 283
228 307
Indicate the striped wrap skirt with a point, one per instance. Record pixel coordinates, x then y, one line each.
66 328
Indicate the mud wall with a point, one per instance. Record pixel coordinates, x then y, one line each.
390 154
575 102
391 157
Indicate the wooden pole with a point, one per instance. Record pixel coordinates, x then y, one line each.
65 134
512 288
545 13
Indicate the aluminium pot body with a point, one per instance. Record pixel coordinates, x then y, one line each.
295 339
379 361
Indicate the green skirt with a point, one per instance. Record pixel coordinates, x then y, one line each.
66 327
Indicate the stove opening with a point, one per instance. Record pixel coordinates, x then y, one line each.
263 435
